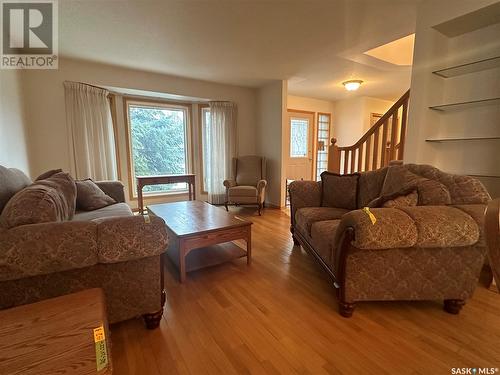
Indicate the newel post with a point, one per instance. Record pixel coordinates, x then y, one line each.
333 157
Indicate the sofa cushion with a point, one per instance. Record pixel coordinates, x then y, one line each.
305 217
118 209
443 226
339 191
11 181
370 185
90 197
323 239
41 202
243 191
249 170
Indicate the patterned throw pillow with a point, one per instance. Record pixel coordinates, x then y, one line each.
90 197
339 191
52 199
403 198
430 192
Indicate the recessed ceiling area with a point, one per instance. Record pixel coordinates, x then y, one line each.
316 44
398 52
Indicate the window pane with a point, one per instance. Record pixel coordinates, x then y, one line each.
158 137
298 137
205 136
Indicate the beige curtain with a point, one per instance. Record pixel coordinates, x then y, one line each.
90 127
221 146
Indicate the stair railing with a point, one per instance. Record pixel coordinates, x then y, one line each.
382 143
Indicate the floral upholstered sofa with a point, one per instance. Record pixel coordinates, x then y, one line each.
47 249
422 237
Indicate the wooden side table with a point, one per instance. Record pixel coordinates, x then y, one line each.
62 335
164 179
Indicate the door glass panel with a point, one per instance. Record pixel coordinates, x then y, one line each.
299 130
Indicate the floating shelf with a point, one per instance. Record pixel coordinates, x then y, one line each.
476 66
484 175
465 105
461 139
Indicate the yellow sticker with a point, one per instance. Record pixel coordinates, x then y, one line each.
372 217
101 355
99 334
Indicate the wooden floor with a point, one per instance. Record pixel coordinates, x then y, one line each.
280 316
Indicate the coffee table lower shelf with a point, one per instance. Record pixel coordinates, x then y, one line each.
208 256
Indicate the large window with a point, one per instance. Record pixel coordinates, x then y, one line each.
159 143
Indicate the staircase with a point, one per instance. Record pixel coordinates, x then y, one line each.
381 144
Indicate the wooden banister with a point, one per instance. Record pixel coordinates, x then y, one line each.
392 141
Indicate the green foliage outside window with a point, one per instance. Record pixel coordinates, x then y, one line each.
158 138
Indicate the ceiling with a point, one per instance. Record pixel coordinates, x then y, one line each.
315 44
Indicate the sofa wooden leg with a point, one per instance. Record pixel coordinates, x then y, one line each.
295 241
453 306
346 309
152 320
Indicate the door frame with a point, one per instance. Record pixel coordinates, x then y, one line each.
313 145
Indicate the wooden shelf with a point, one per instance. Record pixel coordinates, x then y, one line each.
461 139
476 66
464 105
484 175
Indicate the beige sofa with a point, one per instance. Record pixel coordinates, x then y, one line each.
108 248
430 250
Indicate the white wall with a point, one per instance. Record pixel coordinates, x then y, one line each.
309 104
351 117
13 150
272 106
435 51
44 94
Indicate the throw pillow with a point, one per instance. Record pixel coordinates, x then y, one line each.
339 191
48 174
90 197
430 192
404 198
33 205
64 184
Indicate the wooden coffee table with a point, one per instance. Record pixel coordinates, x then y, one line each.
204 232
62 335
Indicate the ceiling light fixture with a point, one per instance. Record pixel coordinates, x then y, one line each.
352 85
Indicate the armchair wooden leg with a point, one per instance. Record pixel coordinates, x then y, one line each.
346 309
260 208
225 205
453 306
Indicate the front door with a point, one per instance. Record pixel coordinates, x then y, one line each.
300 142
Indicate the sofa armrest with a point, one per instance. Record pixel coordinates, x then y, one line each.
114 189
304 194
393 229
120 239
40 249
229 183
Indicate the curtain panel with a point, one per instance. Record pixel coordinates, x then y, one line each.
221 148
90 127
